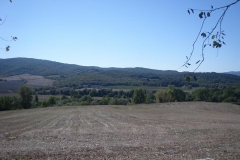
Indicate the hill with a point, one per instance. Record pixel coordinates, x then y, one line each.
237 73
70 75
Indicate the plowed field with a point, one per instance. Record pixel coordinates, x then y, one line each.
156 131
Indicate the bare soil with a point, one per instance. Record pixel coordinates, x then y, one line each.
157 131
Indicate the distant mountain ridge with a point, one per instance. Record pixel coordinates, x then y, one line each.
233 72
72 75
9 66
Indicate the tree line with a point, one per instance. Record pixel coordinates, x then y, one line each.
28 98
23 101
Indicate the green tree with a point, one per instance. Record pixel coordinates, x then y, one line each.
44 103
176 95
86 99
93 92
9 103
162 96
201 95
25 93
150 98
51 101
170 95
16 103
36 99
105 100
113 101
139 96
5 103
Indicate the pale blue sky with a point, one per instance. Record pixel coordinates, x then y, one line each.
155 34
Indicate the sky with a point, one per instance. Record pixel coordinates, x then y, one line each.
156 34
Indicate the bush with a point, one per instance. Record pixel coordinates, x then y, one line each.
139 96
9 103
188 97
105 100
123 101
44 103
51 101
113 101
150 98
170 95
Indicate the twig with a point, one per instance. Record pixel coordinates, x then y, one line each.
4 21
219 22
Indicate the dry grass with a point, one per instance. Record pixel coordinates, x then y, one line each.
157 131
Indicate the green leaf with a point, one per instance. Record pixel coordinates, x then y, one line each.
208 14
215 44
203 35
224 43
188 11
212 7
192 10
200 15
187 78
7 48
213 36
14 38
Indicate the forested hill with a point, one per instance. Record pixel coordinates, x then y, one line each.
234 73
74 75
15 66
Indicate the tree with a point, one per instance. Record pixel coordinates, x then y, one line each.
12 37
105 100
36 99
25 93
170 95
51 101
150 98
139 96
217 36
162 96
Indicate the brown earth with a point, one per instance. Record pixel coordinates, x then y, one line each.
156 131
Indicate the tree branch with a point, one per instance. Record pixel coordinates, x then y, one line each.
203 44
218 36
211 10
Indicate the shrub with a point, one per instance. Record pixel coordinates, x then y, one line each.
139 96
